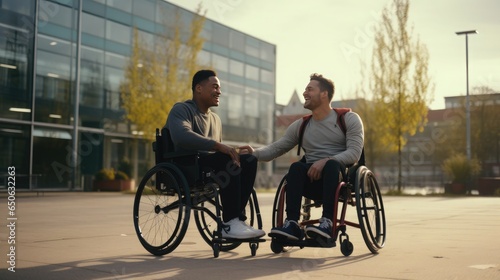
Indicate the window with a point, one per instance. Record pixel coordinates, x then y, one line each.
237 41
204 59
91 78
93 25
22 7
116 60
267 76
236 67
144 8
220 35
220 63
124 5
235 102
113 79
251 72
58 14
118 32
252 46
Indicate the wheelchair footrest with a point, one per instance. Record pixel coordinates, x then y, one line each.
306 242
235 240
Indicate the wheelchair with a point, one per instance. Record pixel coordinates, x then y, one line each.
358 188
170 190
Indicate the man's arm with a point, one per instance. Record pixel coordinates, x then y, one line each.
278 148
354 139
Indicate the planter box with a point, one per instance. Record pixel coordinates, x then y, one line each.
454 188
114 185
488 185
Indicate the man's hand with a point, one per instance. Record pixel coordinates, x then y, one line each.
314 172
247 149
228 150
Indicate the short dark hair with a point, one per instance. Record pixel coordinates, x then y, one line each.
201 76
324 84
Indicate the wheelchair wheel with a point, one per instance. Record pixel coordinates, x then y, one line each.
161 212
279 204
370 209
206 220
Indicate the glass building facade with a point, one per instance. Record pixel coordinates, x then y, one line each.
61 66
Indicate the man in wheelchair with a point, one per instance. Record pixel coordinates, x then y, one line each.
194 127
328 150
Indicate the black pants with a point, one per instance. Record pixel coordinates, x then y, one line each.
235 183
299 184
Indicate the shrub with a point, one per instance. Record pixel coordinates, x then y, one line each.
460 169
125 167
105 174
120 175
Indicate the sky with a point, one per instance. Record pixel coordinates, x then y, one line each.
332 37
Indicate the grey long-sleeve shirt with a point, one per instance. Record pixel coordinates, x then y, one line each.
321 139
191 129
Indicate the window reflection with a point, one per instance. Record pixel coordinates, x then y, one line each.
15 91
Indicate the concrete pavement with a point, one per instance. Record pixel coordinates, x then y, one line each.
91 236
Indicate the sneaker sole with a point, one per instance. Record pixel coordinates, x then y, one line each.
280 234
239 237
315 233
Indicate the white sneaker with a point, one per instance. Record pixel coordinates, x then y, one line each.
237 229
258 232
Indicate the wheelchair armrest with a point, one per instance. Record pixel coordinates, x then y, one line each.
172 155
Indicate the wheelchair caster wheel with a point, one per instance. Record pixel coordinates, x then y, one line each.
346 247
276 247
216 248
253 248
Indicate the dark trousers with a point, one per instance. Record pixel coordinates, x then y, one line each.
235 183
299 184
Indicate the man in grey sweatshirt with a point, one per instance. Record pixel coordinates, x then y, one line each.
193 126
327 151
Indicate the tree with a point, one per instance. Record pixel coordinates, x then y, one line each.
399 81
158 75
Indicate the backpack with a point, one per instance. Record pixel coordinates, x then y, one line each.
340 122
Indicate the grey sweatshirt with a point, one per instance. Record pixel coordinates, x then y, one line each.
321 139
191 129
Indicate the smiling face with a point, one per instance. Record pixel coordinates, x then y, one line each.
313 95
207 93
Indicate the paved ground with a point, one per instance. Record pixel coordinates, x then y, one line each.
91 236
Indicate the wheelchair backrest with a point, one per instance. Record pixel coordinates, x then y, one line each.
187 162
163 145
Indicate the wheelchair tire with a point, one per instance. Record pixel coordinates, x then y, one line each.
370 209
279 204
161 210
206 221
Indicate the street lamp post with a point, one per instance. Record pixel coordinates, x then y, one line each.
467 101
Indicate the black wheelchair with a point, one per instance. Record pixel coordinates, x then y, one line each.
167 194
358 188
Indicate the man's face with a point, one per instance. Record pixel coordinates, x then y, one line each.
210 92
313 95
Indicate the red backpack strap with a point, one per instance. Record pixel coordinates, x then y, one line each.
305 120
340 118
